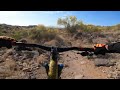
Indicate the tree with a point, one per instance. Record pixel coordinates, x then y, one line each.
70 23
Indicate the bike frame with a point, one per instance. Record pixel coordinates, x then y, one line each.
53 64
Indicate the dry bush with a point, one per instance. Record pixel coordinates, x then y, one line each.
20 34
43 35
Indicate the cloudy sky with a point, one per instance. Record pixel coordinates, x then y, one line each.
49 18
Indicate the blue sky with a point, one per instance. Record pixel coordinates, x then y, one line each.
49 18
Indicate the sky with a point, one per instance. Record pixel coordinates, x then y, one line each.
49 18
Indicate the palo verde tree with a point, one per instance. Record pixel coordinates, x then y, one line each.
70 23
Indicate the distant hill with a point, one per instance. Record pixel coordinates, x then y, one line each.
11 27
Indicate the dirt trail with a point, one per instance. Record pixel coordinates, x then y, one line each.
78 67
75 67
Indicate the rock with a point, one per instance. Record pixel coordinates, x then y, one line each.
30 54
12 77
114 74
118 77
109 76
18 75
3 69
32 76
26 69
5 72
65 65
118 65
79 77
104 62
8 52
1 60
83 62
24 64
10 64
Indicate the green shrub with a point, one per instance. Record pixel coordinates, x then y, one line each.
43 34
20 34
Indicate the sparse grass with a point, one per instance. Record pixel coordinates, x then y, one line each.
42 33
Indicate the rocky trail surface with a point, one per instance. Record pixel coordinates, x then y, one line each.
28 65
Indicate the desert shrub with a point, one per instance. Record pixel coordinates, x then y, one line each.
92 28
43 33
116 27
1 33
40 27
20 34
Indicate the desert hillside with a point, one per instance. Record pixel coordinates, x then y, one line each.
28 64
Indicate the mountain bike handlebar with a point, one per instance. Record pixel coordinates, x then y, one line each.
49 48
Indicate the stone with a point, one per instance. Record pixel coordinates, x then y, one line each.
79 77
